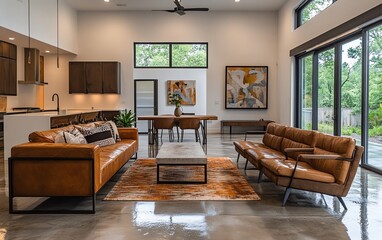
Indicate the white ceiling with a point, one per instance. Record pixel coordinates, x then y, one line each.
148 5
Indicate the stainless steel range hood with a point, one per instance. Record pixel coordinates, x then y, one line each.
32 67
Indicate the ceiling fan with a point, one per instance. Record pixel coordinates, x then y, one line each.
179 9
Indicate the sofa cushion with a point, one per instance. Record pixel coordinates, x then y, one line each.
100 135
298 138
48 136
254 155
113 157
282 167
328 144
274 136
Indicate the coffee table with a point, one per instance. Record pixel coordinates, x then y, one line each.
181 154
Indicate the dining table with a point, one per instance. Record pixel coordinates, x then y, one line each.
151 118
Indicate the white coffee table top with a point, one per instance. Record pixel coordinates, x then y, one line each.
181 153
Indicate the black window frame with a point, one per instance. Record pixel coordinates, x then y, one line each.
299 9
363 33
170 44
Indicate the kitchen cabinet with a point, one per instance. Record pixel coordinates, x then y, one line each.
94 77
8 69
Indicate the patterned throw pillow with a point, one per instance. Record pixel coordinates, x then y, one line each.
74 137
100 135
114 130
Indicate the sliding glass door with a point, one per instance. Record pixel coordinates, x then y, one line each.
340 91
325 101
374 63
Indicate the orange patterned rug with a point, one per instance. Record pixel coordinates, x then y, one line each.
224 182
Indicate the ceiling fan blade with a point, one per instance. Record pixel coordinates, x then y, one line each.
178 4
196 9
164 11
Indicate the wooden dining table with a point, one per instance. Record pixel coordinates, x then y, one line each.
151 118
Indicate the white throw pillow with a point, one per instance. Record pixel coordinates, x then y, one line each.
73 137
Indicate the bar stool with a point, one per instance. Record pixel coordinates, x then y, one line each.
190 123
164 123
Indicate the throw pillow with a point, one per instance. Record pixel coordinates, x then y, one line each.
73 137
99 135
114 130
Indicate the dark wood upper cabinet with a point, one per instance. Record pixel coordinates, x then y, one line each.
94 77
8 69
111 75
77 82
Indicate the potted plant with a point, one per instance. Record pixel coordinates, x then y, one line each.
125 119
176 99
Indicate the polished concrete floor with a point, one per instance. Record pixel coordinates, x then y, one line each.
306 215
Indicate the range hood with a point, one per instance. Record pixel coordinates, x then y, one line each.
33 71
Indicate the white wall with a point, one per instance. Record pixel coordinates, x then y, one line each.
199 75
288 38
234 38
14 16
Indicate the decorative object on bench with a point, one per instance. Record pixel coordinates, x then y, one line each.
42 168
246 87
304 159
225 182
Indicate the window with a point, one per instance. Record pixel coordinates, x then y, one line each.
171 55
310 8
339 90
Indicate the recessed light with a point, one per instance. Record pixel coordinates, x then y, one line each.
11 38
47 51
106 0
237 0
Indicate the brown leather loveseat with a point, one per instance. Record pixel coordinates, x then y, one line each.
304 159
42 168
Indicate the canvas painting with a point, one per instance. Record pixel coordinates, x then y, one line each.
185 88
246 87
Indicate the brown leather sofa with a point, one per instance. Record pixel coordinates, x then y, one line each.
42 168
304 159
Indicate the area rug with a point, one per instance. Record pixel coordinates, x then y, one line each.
224 182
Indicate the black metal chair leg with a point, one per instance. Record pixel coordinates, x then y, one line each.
245 167
342 202
237 160
286 195
181 135
260 176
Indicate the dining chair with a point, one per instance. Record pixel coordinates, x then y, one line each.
161 124
189 123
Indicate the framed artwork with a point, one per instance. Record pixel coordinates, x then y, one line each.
185 88
246 87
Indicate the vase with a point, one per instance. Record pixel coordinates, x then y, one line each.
178 111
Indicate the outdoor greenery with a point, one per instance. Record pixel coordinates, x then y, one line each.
125 119
313 8
152 55
182 55
351 82
189 55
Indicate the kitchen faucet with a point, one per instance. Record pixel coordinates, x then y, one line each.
58 101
